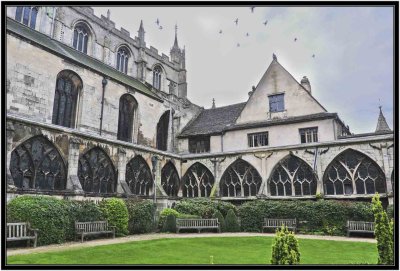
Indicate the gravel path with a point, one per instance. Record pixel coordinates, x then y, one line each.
152 236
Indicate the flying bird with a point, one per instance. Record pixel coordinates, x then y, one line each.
313 55
247 34
252 9
236 21
265 23
158 22
220 31
295 39
238 45
160 27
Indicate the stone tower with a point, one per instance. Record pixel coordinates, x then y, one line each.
178 57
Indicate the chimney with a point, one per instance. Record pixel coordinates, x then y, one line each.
306 84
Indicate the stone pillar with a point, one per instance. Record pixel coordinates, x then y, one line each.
264 185
386 168
10 134
216 162
122 186
319 172
73 182
170 141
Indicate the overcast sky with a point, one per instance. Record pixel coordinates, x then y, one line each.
351 74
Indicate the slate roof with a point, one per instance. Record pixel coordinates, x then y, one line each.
82 59
382 124
213 121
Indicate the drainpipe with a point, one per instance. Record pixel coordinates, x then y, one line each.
104 83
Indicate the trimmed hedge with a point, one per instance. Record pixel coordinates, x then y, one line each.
231 222
116 213
205 208
48 214
141 214
170 224
168 211
323 215
221 220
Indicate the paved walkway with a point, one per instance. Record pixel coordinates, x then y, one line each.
152 236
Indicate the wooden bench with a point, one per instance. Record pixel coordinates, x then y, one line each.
198 224
93 228
21 231
275 223
359 226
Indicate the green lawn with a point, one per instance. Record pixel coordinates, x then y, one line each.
225 250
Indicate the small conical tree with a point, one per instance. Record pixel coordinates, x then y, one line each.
221 220
285 249
231 222
170 224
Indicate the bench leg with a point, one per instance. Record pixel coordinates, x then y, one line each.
82 238
35 242
177 230
198 230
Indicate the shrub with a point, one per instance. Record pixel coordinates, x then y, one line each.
116 213
383 232
163 216
221 220
170 224
141 215
48 214
203 207
285 248
231 222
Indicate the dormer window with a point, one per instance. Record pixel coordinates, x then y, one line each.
276 103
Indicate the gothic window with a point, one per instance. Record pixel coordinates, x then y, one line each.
258 139
197 182
240 180
199 144
127 108
81 37
276 103
138 177
170 180
308 135
68 86
37 164
122 59
96 172
352 172
157 77
162 131
27 16
292 177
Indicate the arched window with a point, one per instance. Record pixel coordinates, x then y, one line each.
81 38
352 172
37 164
157 77
68 86
170 179
138 177
197 182
162 131
96 172
127 108
122 59
27 16
240 179
292 177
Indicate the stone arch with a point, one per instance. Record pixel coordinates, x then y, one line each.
198 181
353 172
162 79
127 117
138 176
119 60
240 179
96 172
292 176
90 32
37 164
170 179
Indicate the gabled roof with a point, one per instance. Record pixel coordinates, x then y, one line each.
213 121
382 125
82 59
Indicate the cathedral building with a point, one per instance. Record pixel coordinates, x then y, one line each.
94 112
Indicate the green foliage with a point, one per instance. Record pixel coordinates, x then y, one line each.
170 224
390 211
141 215
203 207
163 216
314 214
221 220
319 196
116 213
383 232
48 214
285 248
231 222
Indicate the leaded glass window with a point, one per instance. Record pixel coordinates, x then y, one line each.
199 144
276 103
138 177
27 16
292 177
240 179
257 139
81 37
37 164
127 107
122 59
157 77
96 172
197 182
170 180
352 172
308 135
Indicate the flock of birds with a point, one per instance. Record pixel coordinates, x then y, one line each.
237 23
